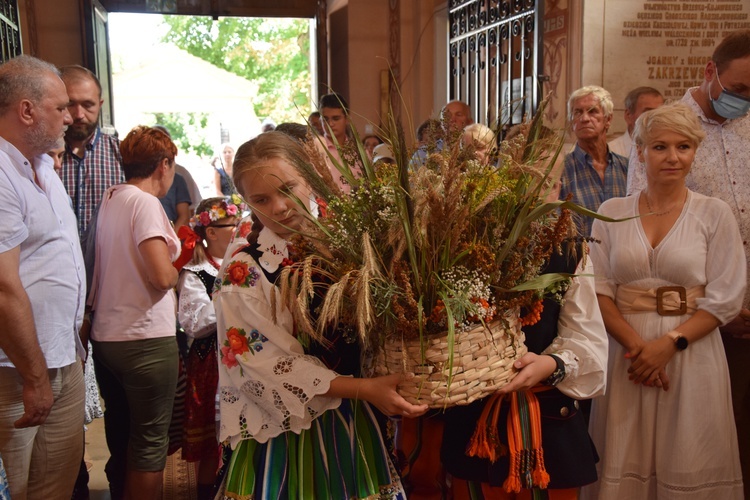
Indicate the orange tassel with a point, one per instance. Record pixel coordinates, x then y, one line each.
540 475
485 442
513 482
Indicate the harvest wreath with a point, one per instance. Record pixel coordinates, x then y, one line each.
430 262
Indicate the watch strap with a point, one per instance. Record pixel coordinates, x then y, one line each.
679 340
558 375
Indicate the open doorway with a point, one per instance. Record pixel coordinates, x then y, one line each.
209 82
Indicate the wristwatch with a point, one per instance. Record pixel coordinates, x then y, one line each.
679 341
558 375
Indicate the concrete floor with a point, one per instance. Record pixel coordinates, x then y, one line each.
97 454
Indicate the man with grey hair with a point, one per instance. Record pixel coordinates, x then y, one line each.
42 289
638 101
592 173
454 116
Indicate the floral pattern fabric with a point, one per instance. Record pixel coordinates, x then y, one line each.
267 384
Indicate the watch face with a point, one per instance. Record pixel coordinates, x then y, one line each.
681 343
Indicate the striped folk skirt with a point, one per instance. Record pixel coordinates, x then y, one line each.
342 455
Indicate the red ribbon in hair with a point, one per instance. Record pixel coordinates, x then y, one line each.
189 239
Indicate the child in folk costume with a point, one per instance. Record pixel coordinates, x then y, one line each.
209 235
297 415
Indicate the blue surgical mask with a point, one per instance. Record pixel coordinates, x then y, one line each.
729 105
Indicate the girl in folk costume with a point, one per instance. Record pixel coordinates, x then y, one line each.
209 234
294 409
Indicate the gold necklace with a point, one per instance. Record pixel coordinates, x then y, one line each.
665 212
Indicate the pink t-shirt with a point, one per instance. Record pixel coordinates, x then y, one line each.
125 305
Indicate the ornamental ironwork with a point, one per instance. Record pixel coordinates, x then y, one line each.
495 58
10 32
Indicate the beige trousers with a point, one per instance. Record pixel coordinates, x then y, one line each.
42 462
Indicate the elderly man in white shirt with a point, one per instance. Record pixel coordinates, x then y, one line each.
42 290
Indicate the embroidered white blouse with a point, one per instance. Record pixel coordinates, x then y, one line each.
195 311
267 384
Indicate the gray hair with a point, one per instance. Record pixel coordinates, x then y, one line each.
604 97
23 77
482 135
631 100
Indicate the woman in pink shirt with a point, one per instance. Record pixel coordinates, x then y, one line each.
133 326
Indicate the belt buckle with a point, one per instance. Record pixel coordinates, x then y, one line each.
660 301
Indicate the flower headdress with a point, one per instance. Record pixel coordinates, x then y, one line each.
222 208
230 206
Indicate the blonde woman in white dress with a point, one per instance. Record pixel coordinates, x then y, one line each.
667 278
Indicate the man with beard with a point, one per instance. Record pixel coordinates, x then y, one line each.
91 163
42 289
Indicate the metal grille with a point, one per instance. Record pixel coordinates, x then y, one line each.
10 34
494 57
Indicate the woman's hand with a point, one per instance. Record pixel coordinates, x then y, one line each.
532 369
381 392
648 363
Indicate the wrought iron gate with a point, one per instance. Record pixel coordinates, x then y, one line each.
495 57
10 32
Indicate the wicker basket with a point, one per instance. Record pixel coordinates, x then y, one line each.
482 363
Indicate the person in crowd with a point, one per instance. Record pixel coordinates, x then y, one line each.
285 411
369 142
268 125
42 290
56 153
592 172
722 103
335 113
92 160
334 110
194 192
223 172
4 488
668 276
133 306
192 187
316 123
295 130
91 164
213 225
383 153
481 138
176 203
566 362
454 117
638 100
428 131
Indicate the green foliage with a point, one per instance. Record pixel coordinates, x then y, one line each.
188 131
273 53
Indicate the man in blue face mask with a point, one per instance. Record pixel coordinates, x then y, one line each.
722 169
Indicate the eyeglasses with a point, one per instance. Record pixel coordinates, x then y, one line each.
223 225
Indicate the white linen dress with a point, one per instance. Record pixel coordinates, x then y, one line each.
680 443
